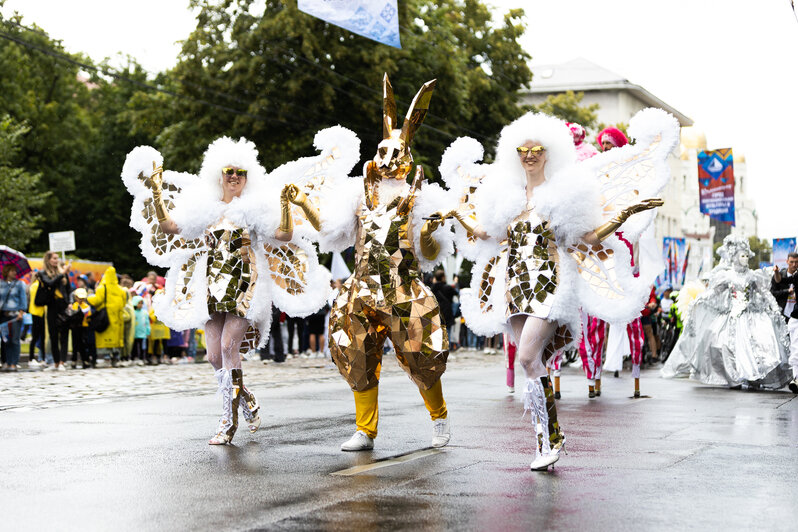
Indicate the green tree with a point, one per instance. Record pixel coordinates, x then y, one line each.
760 251
279 75
568 106
40 89
21 193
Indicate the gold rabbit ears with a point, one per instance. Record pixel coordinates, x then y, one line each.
415 115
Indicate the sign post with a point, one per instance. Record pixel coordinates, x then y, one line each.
62 241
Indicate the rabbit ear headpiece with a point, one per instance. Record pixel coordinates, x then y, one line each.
393 156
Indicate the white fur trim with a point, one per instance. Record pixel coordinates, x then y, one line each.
486 323
339 204
569 201
139 161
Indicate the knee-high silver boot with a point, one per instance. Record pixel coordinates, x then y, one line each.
535 404
231 396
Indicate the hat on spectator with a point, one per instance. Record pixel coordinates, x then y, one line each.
80 293
614 135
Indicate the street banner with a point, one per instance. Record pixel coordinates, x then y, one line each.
79 267
716 184
675 253
781 248
377 20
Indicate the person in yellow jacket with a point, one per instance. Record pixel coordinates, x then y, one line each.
37 328
159 333
112 297
79 314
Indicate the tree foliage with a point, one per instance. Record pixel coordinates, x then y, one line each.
568 106
21 193
281 75
274 75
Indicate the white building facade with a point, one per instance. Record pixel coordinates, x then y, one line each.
619 100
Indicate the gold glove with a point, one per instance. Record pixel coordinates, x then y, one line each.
156 184
286 221
607 229
469 222
429 247
297 197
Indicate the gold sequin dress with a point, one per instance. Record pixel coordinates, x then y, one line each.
532 267
385 298
230 285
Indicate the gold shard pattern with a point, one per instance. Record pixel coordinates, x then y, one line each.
385 298
532 267
288 267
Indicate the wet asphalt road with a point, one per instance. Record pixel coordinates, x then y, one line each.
688 457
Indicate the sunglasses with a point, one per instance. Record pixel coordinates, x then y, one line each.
238 172
536 150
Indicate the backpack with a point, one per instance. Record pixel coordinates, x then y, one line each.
99 321
44 295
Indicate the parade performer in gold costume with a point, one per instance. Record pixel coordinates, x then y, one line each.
220 234
540 228
383 217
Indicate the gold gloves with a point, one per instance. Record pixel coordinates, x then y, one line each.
610 227
291 193
286 221
429 247
156 184
469 223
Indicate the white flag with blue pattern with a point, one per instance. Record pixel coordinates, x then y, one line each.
375 19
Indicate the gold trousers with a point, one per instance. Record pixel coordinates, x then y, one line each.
367 410
362 317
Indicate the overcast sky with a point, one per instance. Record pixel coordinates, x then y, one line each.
730 65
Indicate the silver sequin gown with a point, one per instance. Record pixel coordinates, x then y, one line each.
734 334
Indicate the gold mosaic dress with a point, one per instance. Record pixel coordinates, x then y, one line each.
229 275
385 298
532 267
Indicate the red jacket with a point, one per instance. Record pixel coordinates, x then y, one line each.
652 298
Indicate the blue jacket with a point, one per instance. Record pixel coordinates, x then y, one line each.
12 296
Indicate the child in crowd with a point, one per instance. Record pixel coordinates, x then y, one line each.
142 330
79 313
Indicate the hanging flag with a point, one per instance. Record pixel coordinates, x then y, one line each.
716 184
377 20
683 272
781 248
672 250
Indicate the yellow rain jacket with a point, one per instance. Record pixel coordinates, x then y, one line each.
114 336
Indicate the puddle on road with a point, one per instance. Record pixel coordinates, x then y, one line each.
386 462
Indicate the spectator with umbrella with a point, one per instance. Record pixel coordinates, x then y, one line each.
13 304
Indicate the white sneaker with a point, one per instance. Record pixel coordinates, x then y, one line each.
359 441
441 432
61 368
510 389
33 364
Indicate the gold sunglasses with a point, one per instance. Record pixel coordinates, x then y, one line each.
536 150
238 172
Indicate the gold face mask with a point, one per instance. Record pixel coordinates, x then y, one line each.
393 159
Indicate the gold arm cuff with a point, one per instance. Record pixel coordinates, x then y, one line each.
160 209
606 230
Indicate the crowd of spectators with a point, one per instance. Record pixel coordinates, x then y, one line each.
86 322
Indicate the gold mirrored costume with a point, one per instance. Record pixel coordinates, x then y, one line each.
385 297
